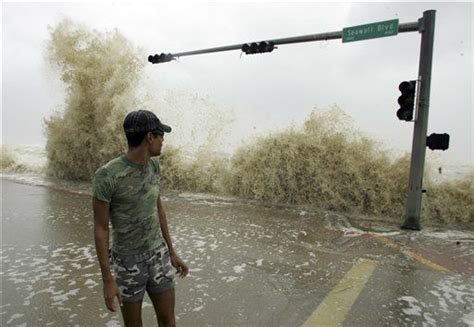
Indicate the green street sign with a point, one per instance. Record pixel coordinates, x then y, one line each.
370 31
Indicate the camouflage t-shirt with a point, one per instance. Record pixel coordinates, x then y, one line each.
132 190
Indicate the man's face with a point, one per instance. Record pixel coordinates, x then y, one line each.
156 143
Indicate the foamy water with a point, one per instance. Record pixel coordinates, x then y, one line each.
448 292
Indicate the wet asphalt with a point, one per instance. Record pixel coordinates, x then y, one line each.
250 265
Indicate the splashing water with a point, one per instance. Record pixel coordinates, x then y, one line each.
325 163
100 72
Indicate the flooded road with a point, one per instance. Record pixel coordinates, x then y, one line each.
250 265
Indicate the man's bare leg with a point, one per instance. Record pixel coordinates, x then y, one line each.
132 314
164 308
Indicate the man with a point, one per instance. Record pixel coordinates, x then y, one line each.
127 191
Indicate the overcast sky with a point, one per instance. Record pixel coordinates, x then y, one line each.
262 91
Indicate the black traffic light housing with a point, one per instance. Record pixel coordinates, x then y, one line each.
438 141
406 100
258 47
164 57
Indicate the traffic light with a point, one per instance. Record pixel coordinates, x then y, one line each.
258 47
406 100
438 141
156 59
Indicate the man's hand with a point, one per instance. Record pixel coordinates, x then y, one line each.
111 292
180 266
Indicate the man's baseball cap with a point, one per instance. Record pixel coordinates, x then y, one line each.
143 121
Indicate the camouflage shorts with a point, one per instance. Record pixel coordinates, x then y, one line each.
150 271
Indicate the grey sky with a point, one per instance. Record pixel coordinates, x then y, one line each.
264 91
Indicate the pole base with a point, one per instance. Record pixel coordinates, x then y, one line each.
411 223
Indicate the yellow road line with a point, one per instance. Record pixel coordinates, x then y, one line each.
411 254
337 304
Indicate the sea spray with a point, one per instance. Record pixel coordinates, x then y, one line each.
200 124
22 159
193 157
100 73
105 79
327 163
450 201
330 165
204 173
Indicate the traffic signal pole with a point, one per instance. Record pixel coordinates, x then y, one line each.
425 26
415 184
406 27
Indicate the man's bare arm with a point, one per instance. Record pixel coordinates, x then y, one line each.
101 231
